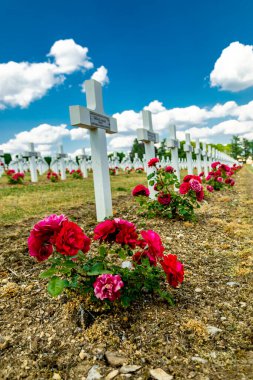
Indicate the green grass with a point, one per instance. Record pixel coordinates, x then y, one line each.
19 202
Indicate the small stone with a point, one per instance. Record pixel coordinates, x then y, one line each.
199 360
198 290
233 283
112 374
83 354
4 342
56 376
93 373
213 355
129 368
114 359
160 374
223 318
212 330
243 304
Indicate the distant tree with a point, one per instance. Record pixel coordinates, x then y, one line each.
48 160
137 148
162 151
7 158
246 148
236 149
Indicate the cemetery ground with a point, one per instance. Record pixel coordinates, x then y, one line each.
207 335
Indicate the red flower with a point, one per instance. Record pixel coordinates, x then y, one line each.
152 244
43 235
210 188
164 199
184 188
139 256
200 195
71 239
230 181
195 185
188 177
174 270
201 174
169 169
108 286
153 161
140 190
215 164
126 233
10 172
105 230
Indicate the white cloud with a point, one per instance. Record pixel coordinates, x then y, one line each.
70 56
155 107
21 83
121 143
100 75
233 70
78 133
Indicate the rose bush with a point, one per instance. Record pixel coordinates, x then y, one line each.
169 202
14 178
77 174
52 176
124 264
220 176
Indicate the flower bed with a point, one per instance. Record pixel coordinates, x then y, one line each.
124 265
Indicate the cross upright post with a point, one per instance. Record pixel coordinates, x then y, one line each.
147 135
83 165
61 157
33 168
209 155
188 150
173 144
94 119
204 154
197 151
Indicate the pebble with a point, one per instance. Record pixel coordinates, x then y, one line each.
129 368
93 373
56 376
112 374
212 330
198 290
115 359
4 342
83 354
233 283
199 360
160 374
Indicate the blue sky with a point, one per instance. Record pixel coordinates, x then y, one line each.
160 51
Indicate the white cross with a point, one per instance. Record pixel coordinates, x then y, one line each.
33 168
94 119
204 154
149 138
61 156
188 150
197 151
83 165
173 144
209 155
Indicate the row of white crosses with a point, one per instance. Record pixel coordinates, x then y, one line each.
98 123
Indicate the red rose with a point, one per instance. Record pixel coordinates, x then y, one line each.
184 188
174 270
188 177
164 199
169 169
126 233
152 244
140 190
71 239
105 230
201 174
153 161
200 195
139 256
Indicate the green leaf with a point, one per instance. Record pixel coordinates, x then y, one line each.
102 251
152 182
56 286
48 273
97 269
151 175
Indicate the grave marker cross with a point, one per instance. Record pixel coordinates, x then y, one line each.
188 150
33 168
204 154
83 166
149 138
61 155
94 119
197 151
173 144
